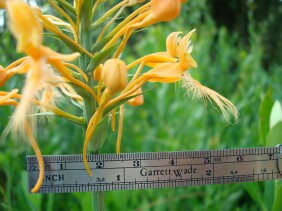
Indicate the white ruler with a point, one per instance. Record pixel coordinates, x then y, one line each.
66 173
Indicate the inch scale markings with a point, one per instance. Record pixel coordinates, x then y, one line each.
127 171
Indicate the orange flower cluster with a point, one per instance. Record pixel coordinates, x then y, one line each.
100 84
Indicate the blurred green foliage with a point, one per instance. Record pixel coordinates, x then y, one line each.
238 48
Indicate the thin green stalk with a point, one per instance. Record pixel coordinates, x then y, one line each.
98 200
8 186
90 104
85 41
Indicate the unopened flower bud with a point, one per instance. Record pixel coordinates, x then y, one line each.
137 100
98 72
166 10
114 75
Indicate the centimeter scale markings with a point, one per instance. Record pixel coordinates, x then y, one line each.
66 173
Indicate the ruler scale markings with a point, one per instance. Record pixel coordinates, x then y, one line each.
66 173
163 165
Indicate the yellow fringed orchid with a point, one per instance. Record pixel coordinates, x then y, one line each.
38 73
172 72
100 89
27 29
159 11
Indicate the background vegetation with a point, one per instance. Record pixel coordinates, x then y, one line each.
238 48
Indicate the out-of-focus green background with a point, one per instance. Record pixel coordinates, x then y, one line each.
238 49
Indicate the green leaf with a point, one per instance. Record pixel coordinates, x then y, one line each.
100 58
99 45
268 194
75 122
42 114
50 202
74 102
33 201
265 110
277 201
98 27
67 6
254 191
274 135
86 15
120 199
276 114
80 91
71 45
85 200
100 134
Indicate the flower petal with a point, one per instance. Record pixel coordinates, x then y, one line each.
4 98
184 43
4 77
166 73
50 54
25 25
20 69
184 51
37 75
172 41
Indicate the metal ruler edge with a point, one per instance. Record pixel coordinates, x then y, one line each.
142 170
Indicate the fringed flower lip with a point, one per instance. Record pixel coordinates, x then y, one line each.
196 89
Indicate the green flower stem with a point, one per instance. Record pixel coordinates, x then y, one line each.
90 104
85 41
98 200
